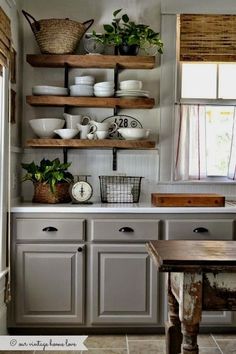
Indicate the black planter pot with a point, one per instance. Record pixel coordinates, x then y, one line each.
128 49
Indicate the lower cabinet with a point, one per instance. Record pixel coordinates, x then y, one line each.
49 283
124 285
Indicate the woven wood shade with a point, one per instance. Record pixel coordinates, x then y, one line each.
207 38
5 38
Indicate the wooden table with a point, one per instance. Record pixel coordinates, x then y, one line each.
201 276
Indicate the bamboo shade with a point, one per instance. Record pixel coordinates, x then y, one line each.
207 37
5 38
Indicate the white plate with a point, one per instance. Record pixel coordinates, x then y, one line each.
132 91
132 95
49 90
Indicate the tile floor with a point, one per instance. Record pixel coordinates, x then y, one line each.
145 344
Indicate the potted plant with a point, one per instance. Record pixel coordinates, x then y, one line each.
51 180
127 36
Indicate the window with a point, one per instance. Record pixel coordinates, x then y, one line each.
206 122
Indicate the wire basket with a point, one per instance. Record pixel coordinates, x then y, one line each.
120 189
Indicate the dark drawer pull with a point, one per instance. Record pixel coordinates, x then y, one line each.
200 230
80 249
49 229
126 229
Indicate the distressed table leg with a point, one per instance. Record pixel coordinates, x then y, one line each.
190 310
173 327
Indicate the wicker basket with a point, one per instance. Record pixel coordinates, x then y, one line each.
43 193
57 36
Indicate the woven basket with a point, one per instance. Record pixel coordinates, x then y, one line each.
57 36
43 193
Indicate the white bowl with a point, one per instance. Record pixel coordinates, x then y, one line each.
44 127
104 84
85 80
103 93
81 90
133 133
66 133
131 85
49 90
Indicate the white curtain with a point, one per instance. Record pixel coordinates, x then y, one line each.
191 144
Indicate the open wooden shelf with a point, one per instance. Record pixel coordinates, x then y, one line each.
79 144
91 61
107 102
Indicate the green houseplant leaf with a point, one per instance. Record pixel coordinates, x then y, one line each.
123 31
48 172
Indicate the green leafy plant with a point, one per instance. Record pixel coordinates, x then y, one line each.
47 172
123 31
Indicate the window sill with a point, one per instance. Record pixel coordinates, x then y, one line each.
202 182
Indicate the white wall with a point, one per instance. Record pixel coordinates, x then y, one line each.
95 162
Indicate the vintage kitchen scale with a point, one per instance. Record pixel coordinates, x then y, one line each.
81 190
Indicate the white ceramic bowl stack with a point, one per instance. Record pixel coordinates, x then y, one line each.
44 127
104 89
83 86
131 88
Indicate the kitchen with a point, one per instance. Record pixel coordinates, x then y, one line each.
154 165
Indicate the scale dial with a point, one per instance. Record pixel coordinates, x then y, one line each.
81 191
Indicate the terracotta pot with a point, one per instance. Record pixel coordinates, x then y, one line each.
43 193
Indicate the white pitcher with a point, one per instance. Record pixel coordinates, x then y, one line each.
84 130
73 120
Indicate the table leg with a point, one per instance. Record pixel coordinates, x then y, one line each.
190 333
173 326
190 310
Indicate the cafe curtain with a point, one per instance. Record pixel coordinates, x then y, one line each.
207 38
191 144
5 38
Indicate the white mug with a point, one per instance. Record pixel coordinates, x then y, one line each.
102 134
91 136
73 120
110 127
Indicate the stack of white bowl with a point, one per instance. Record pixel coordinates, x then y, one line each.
83 86
131 85
131 88
104 89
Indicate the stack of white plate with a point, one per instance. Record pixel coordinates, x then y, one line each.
131 88
104 89
83 86
49 90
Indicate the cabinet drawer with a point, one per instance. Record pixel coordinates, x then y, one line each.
220 229
50 229
122 230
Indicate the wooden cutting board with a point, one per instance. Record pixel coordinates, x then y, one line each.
187 200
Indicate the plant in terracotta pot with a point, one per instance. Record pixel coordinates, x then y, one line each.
128 37
51 180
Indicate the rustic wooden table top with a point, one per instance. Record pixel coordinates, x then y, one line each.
192 256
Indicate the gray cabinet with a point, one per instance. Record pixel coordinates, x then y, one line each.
124 285
49 283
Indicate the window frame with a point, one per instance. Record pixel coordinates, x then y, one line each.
169 90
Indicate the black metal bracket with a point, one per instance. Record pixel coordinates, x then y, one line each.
66 75
114 159
116 79
65 154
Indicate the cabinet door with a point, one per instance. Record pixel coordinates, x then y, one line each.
49 284
124 285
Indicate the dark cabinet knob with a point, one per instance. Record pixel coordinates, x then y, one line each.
80 249
199 230
50 229
126 229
